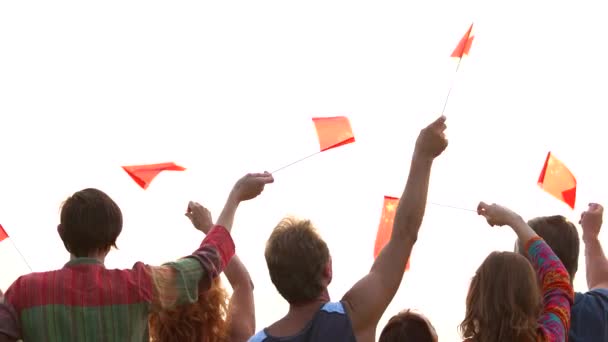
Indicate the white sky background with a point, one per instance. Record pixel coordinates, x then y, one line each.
228 88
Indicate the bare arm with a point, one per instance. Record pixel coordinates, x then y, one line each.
595 259
241 312
368 299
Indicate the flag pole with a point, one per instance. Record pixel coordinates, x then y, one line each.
295 162
22 257
452 207
445 104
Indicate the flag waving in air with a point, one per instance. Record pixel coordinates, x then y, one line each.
333 132
464 46
385 229
3 234
557 180
144 174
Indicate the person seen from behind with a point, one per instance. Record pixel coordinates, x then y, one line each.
589 313
213 318
300 265
51 306
505 303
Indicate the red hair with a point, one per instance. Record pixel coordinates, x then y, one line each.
203 321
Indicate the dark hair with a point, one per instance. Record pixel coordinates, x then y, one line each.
504 301
296 257
90 222
408 326
561 235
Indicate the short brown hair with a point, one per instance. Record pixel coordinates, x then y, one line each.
561 235
408 326
504 301
296 257
90 222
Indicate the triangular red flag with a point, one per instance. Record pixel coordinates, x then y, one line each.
556 179
385 228
464 45
333 132
144 174
3 234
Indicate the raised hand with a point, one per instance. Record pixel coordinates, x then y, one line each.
591 221
497 215
200 217
250 186
432 140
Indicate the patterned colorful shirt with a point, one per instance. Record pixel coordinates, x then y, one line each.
86 302
558 296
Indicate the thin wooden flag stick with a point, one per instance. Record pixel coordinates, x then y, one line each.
295 162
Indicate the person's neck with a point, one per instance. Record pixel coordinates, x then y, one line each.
304 309
101 257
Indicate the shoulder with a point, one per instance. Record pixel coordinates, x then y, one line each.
593 300
259 337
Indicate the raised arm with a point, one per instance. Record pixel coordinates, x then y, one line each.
178 282
557 292
595 259
241 312
369 297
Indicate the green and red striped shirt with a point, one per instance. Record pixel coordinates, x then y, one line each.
85 302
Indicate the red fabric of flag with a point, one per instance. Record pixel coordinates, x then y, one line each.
144 174
464 45
3 234
556 179
333 132
385 228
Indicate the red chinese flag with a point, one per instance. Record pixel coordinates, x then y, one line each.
464 45
333 132
385 228
3 234
144 174
557 180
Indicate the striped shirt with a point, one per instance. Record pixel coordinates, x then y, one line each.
330 324
86 302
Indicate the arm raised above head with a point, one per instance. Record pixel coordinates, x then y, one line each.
367 300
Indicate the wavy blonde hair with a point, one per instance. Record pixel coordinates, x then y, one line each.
504 302
203 321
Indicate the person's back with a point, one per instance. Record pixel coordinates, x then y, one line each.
330 323
74 300
299 264
589 313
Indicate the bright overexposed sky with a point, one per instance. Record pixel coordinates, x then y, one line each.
226 88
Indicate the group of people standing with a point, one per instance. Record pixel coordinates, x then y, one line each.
520 296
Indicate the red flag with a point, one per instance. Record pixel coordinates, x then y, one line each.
557 180
464 45
385 228
144 174
333 132
3 234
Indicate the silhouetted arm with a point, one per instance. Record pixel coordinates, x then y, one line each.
241 311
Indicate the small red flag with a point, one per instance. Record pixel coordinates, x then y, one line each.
464 45
385 228
144 174
333 132
557 180
3 234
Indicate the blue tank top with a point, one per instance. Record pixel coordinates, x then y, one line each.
330 324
